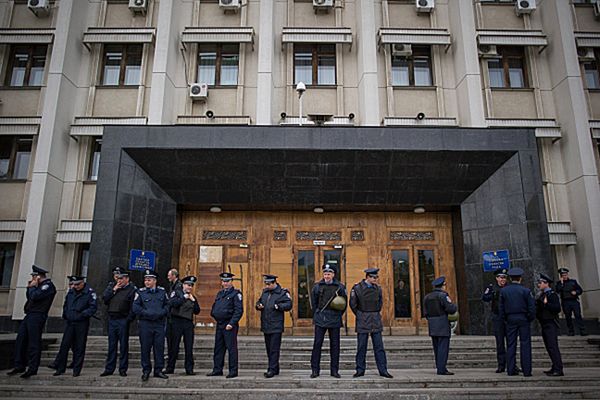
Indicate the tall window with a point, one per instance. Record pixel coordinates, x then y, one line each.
314 64
15 153
94 164
218 64
508 69
413 70
26 66
122 65
7 260
83 260
591 71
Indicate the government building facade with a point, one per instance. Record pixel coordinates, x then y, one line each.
425 134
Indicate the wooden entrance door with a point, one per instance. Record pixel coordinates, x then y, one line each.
306 272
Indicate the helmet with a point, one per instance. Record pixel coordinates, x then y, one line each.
338 303
453 317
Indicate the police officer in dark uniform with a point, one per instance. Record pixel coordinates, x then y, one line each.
151 305
437 306
28 347
183 308
53 364
227 311
79 306
366 302
517 308
174 286
327 319
569 291
547 307
118 297
273 303
492 294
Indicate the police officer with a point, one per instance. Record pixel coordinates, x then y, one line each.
547 307
79 306
28 347
227 311
517 308
174 286
366 301
272 304
437 306
569 291
492 294
183 308
327 319
53 364
118 298
151 306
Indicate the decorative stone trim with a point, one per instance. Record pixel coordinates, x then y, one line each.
224 235
318 235
411 235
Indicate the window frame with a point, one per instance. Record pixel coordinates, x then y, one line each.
218 48
315 53
582 68
3 248
96 144
125 57
411 67
10 174
505 54
30 55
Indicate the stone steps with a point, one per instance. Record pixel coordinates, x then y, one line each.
581 383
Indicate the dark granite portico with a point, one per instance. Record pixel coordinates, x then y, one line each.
489 179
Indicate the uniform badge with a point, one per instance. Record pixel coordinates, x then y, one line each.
239 296
288 295
136 296
45 287
448 298
94 296
173 294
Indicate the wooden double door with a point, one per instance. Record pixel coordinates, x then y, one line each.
410 250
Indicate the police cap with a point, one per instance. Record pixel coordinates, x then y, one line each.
268 278
563 270
226 276
328 268
149 274
502 272
372 271
515 272
545 278
190 280
439 281
37 270
75 279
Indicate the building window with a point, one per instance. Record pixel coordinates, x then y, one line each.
314 64
591 71
413 70
26 66
94 164
218 64
83 260
508 69
122 65
15 153
7 260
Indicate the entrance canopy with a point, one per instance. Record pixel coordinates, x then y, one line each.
300 179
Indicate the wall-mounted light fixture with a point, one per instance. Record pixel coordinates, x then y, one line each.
419 209
318 210
215 209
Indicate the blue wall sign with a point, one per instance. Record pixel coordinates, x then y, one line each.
140 260
493 260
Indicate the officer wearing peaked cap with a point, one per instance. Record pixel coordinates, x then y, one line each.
273 303
517 308
328 299
79 306
547 306
118 298
438 305
184 305
28 347
492 295
151 305
366 302
569 291
227 311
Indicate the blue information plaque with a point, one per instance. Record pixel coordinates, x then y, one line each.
140 260
497 259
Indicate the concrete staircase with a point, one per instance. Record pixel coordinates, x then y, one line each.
410 360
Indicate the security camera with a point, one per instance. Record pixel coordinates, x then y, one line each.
420 116
210 114
283 115
351 116
300 88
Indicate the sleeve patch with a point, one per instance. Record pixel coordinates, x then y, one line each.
45 287
94 296
239 296
173 294
288 295
136 296
448 298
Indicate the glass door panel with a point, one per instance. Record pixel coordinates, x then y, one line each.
426 260
305 281
334 259
402 292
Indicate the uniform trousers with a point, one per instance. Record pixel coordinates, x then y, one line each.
118 340
441 347
378 349
181 327
273 345
334 348
550 336
152 338
28 346
226 341
518 326
75 337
